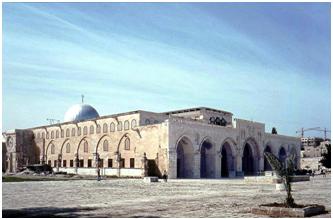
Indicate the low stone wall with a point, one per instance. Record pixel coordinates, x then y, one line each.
273 179
261 179
123 172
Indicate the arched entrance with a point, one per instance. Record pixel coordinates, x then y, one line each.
227 163
282 155
267 166
184 158
248 160
207 160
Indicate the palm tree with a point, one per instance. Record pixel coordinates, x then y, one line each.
284 171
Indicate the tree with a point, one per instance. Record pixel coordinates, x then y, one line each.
326 160
284 172
274 132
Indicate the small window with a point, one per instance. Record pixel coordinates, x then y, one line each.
120 126
109 162
43 135
127 144
112 127
81 163
52 149
49 163
68 148
55 163
57 134
89 162
85 130
64 163
73 132
52 134
71 163
132 161
101 163
126 125
122 163
147 122
91 129
67 132
133 123
62 133
85 147
79 131
98 129
105 145
105 128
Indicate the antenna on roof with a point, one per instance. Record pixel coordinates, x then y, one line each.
53 121
82 97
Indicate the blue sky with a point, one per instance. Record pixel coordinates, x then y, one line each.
267 62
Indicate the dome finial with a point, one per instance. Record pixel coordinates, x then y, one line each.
82 97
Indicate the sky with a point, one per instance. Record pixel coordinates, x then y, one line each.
266 62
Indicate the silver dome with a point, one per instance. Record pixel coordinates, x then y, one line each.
80 112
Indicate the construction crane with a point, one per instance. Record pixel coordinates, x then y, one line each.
325 132
302 130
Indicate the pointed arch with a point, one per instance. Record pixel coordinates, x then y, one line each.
185 157
208 155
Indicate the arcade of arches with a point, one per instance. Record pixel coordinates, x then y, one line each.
209 161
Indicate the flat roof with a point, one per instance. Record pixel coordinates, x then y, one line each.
129 113
196 109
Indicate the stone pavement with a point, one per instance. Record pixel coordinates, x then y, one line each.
134 198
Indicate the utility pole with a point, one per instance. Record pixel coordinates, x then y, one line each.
82 97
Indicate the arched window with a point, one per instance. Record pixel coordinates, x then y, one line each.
112 127
147 121
105 145
62 133
133 123
38 135
52 149
98 129
68 148
127 144
43 135
73 132
78 131
57 134
126 125
52 134
85 147
120 126
67 132
91 129
85 130
47 135
105 128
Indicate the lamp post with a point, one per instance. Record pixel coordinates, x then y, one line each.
59 162
76 162
118 159
96 155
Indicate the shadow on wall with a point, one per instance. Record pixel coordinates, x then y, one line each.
47 212
153 169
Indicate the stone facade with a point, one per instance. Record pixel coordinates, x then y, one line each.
191 143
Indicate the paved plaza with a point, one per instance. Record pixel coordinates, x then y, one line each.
134 198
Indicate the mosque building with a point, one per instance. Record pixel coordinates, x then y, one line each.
190 143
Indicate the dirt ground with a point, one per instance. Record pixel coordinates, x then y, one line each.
134 198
